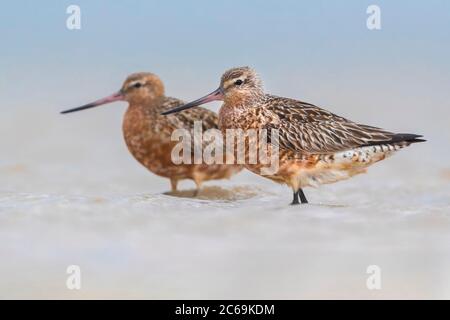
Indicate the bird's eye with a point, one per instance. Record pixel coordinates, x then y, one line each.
238 82
137 85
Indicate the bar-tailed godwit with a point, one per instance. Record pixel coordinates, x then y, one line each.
315 146
148 134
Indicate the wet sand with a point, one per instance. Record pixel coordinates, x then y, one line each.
90 204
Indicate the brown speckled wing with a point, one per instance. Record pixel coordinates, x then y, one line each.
186 118
209 119
306 128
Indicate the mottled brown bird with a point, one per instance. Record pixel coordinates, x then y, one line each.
148 134
315 146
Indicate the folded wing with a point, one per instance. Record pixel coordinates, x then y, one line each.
306 128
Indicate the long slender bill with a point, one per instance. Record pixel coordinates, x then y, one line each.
213 96
118 96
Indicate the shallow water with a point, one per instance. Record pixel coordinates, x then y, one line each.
72 195
91 205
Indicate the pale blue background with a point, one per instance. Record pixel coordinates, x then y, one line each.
397 78
299 47
70 192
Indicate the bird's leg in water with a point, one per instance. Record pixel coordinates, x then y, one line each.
198 184
173 184
297 194
302 196
295 200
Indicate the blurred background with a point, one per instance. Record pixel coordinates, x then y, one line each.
70 193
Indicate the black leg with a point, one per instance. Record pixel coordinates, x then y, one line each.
302 196
295 200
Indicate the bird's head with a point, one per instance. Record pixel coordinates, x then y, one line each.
240 83
237 86
142 88
138 88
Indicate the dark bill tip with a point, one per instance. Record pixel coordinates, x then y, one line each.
112 98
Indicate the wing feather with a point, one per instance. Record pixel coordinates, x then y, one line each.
303 127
